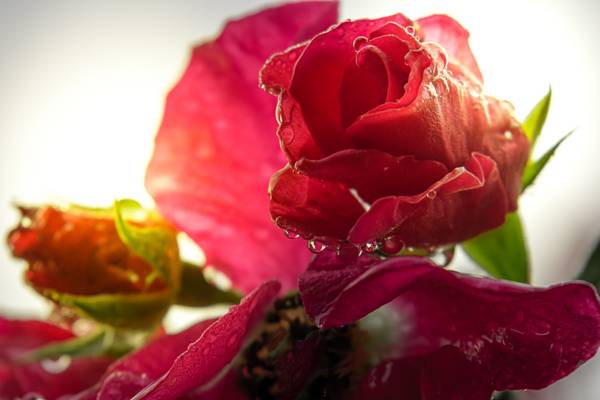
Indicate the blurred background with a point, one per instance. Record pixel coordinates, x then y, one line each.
82 85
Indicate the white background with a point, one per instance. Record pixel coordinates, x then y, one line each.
82 85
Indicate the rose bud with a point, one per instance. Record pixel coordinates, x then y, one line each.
389 137
120 266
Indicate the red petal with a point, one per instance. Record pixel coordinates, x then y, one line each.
19 379
444 375
19 336
520 336
212 353
318 77
454 39
215 149
373 173
460 205
312 207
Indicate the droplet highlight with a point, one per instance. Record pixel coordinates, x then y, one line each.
316 246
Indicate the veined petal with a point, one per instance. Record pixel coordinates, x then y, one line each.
212 353
520 336
215 149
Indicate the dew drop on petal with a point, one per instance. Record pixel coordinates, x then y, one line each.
370 247
56 366
291 234
508 135
316 246
359 42
432 194
392 244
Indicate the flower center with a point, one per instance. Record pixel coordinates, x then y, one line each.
292 358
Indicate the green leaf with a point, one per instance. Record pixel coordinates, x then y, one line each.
196 291
502 252
137 311
533 168
534 122
155 243
90 345
591 272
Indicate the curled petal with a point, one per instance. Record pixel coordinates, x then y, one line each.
462 204
520 336
310 206
453 38
318 78
374 173
215 151
201 365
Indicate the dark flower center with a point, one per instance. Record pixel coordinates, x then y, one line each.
292 359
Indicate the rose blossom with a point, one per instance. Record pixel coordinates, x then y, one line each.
389 138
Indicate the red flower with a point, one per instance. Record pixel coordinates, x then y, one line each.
388 135
443 335
457 336
216 147
50 379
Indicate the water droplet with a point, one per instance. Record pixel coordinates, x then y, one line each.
359 42
508 135
56 366
410 30
392 244
432 194
291 234
316 246
370 247
33 396
346 249
286 135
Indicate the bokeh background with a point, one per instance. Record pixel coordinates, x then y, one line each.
82 85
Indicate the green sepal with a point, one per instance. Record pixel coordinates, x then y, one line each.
591 271
136 311
533 168
535 120
502 252
196 291
156 244
94 344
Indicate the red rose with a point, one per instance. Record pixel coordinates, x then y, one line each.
389 137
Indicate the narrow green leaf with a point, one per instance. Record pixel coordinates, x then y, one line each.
534 122
90 345
155 243
533 168
137 311
502 252
196 291
591 272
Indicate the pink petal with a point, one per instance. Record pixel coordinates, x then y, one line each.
520 336
210 355
81 373
215 149
454 39
462 204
